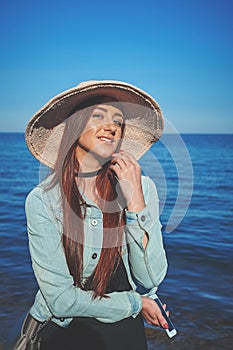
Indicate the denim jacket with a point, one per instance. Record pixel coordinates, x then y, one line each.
57 297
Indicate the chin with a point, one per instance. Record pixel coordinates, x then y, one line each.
103 157
103 152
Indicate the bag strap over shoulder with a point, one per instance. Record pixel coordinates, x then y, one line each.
29 332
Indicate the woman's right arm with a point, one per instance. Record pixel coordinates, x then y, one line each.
63 299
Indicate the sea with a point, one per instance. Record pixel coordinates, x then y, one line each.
193 175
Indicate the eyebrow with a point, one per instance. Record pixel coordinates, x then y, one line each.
115 114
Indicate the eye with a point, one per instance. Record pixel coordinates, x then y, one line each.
97 116
118 122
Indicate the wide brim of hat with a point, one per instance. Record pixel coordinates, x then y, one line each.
144 120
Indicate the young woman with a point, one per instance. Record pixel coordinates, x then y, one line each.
93 223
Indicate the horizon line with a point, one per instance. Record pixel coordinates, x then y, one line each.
164 133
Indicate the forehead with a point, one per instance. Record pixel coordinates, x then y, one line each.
110 107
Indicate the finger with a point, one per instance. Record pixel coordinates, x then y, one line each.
119 170
125 155
117 157
152 320
121 163
116 169
127 163
148 320
162 321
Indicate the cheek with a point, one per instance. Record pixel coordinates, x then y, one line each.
87 133
85 139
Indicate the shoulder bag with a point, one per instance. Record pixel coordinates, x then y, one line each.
32 333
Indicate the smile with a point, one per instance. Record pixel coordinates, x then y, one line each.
106 139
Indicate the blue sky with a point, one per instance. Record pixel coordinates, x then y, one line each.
179 51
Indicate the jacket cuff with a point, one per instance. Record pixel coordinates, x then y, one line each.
143 219
136 303
138 224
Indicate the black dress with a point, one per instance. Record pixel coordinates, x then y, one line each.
85 333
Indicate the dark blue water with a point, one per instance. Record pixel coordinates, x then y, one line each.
198 286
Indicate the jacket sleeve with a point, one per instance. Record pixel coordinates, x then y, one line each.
149 265
63 299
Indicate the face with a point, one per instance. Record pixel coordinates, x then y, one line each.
101 134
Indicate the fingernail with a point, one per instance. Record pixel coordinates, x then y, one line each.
165 325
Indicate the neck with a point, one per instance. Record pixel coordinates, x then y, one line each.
87 161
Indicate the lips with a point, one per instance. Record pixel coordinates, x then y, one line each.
105 139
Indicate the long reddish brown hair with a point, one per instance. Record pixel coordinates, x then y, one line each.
74 207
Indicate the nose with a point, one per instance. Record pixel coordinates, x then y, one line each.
110 126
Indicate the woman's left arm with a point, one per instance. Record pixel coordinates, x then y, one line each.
147 255
146 252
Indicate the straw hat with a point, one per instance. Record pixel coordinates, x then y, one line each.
144 121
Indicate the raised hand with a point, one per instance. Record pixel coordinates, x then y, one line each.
128 172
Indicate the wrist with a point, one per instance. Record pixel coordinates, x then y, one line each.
136 203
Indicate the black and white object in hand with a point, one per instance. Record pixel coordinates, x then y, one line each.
171 331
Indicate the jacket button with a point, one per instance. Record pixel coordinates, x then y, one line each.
94 256
94 222
143 218
62 319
